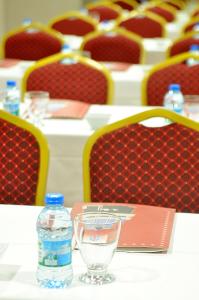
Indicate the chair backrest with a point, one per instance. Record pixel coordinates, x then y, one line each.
145 24
189 26
195 13
173 70
131 163
74 23
31 42
126 4
164 11
69 76
106 10
182 44
24 162
114 46
176 4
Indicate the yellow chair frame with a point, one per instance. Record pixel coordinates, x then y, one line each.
23 28
150 15
130 35
44 152
74 14
181 38
84 60
158 112
178 2
191 21
170 61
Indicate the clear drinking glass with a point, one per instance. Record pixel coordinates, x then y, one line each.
97 237
36 104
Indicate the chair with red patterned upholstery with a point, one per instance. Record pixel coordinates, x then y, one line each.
126 4
73 23
130 162
70 76
182 44
31 42
117 45
23 163
106 10
173 70
189 26
163 10
145 23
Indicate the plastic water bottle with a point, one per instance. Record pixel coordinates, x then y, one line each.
54 227
195 50
26 21
174 99
11 101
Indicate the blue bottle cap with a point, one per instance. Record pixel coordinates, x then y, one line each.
54 198
194 47
11 83
174 87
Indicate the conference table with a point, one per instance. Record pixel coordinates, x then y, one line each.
139 276
127 83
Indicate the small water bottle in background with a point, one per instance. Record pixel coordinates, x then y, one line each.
66 48
11 102
195 50
54 228
26 21
174 99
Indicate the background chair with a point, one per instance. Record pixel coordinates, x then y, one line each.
182 44
69 76
31 42
174 70
74 23
23 163
126 4
131 163
163 10
114 46
106 10
189 26
176 4
144 24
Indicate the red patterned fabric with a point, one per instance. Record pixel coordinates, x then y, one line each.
105 12
153 166
73 26
157 85
124 5
143 26
19 165
73 81
32 45
167 15
114 48
183 46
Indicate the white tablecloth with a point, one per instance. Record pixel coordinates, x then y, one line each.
138 276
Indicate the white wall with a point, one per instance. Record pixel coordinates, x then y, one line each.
14 11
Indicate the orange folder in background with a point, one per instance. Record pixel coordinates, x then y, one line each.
144 228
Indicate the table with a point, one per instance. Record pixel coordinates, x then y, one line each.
127 84
139 276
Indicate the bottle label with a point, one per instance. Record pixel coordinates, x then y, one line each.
12 108
55 253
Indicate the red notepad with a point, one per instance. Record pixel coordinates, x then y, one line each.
117 66
8 62
144 228
67 109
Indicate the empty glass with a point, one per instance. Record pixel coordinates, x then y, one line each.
36 104
97 237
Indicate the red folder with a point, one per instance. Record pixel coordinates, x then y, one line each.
144 228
